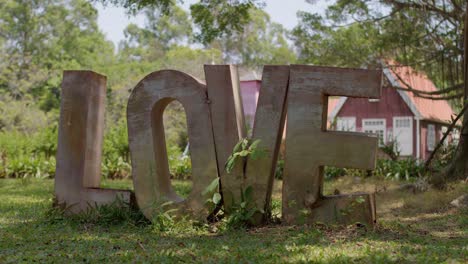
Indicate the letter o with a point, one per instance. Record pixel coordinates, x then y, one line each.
150 168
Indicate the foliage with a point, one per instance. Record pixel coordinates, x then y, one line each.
428 35
213 195
28 156
405 169
39 39
241 214
260 42
243 149
158 35
22 115
402 169
333 172
319 44
215 18
179 165
33 155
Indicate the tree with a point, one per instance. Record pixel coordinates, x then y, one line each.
260 42
42 38
38 40
215 18
428 35
159 34
353 46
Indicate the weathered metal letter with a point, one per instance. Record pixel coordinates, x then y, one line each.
268 127
150 168
228 126
309 146
79 149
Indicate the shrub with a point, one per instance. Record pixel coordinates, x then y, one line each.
331 173
116 142
180 166
24 155
402 169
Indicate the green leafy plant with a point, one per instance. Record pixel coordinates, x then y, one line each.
241 214
164 218
243 149
402 169
214 197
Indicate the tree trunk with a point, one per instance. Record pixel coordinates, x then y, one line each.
458 168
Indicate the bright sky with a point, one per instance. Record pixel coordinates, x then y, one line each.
113 20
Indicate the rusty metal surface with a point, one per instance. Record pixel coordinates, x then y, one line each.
150 169
80 139
309 146
227 117
268 127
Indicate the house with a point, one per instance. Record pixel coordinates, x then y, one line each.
250 84
415 124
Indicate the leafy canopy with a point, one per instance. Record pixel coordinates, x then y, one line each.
215 18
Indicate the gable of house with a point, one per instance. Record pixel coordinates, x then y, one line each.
426 109
422 108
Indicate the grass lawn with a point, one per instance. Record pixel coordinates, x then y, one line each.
411 228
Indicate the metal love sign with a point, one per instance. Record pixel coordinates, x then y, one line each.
292 94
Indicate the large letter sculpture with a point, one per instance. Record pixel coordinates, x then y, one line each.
309 146
215 123
80 135
150 168
268 127
228 126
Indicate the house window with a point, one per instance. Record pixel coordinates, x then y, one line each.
346 124
431 138
375 126
374 100
401 123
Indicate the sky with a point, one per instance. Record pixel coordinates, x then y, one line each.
113 20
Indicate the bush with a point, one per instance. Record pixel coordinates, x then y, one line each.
331 173
180 166
116 156
402 169
23 155
116 143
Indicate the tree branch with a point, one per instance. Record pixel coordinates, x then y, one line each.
450 128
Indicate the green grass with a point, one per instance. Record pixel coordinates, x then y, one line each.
412 228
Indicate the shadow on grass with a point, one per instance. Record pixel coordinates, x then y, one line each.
29 231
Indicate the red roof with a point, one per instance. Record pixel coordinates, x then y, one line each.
434 110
